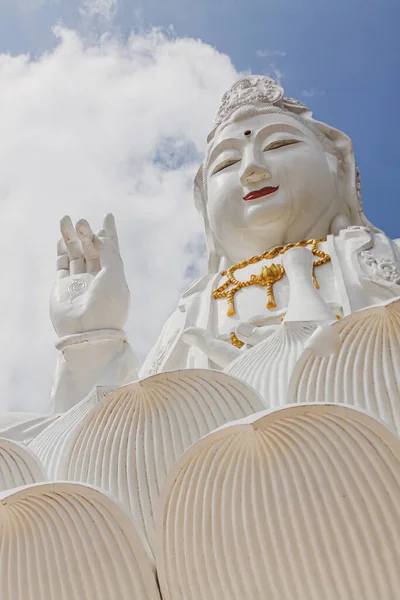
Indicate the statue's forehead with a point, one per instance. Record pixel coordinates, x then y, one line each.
256 123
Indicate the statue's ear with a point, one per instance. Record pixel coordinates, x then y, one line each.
214 258
351 181
199 201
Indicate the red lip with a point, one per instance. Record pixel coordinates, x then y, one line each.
265 191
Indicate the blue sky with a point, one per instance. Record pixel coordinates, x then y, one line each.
93 121
343 54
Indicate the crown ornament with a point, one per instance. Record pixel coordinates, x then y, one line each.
255 90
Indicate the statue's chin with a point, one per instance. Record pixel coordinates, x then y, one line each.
268 211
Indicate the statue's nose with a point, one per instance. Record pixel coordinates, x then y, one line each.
254 173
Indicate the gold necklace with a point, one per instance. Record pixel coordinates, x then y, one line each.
268 275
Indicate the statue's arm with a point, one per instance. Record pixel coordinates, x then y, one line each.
90 363
89 308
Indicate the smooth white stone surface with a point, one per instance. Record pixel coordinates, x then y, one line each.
305 302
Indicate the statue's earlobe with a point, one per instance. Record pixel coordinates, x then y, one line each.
214 257
338 223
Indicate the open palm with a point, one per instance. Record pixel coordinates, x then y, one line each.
90 291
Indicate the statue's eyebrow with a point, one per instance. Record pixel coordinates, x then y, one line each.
224 145
278 128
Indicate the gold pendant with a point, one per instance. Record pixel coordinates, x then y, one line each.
267 277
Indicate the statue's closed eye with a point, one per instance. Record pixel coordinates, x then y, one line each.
280 144
224 164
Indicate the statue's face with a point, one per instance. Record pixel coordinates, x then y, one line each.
269 182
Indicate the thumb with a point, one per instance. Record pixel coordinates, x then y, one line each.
196 336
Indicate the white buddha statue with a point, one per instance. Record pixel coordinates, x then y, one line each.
272 176
199 492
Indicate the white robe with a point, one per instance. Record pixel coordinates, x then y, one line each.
366 268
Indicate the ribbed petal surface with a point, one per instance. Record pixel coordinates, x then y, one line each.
49 446
130 441
268 366
301 503
66 541
18 466
366 370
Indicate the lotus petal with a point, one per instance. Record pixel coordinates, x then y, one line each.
128 443
18 466
49 446
66 541
365 372
302 502
24 427
268 366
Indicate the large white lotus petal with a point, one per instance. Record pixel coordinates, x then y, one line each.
268 366
49 446
18 466
300 503
23 427
130 441
66 541
365 372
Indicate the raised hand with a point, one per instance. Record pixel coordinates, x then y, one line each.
90 291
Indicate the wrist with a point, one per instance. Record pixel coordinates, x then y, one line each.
93 358
97 336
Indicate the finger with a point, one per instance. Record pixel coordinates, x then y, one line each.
70 238
90 251
93 266
86 236
62 259
218 351
106 244
110 228
76 260
99 243
252 335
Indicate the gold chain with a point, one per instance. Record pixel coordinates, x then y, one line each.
268 275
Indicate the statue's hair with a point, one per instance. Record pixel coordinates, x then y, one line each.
245 112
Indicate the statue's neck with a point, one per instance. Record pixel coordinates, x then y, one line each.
254 245
273 252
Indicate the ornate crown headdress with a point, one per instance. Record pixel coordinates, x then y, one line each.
257 90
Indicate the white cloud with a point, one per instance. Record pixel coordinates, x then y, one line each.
85 130
275 73
270 53
273 70
311 93
102 8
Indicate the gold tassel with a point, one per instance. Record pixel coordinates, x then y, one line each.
231 305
